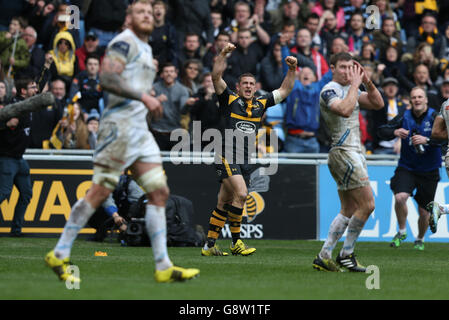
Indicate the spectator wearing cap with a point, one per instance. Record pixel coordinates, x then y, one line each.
393 107
90 46
87 83
93 121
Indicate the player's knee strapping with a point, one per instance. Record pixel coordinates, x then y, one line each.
235 221
216 223
106 177
153 180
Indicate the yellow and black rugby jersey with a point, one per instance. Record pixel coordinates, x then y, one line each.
242 116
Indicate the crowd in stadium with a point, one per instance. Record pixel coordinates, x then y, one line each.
40 52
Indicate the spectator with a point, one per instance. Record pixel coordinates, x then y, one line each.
244 58
65 63
190 75
303 110
220 41
21 57
357 33
58 89
39 15
105 18
428 32
290 10
3 97
88 84
444 91
163 39
393 107
37 55
217 22
244 20
423 54
353 6
175 100
271 74
44 121
392 64
303 48
445 31
190 49
57 22
288 30
226 9
312 24
338 45
14 139
331 5
10 9
206 108
387 36
368 53
192 16
328 31
93 122
72 131
90 46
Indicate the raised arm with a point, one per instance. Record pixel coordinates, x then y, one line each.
289 80
219 67
371 99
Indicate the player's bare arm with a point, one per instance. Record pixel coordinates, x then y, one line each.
111 81
371 99
289 80
439 129
219 67
345 107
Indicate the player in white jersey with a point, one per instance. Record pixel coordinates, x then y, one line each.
440 130
339 104
124 142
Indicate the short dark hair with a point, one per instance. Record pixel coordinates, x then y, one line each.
167 64
22 83
21 20
223 33
246 74
313 15
92 56
341 56
358 12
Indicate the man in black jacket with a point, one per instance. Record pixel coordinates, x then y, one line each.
14 170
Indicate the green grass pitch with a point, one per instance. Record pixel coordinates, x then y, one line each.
279 270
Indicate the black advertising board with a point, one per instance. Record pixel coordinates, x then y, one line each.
282 206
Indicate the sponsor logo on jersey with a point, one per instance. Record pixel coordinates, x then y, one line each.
246 127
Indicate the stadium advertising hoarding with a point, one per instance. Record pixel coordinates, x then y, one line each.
382 224
282 206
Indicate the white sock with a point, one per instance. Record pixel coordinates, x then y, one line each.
403 231
336 230
81 212
355 227
157 231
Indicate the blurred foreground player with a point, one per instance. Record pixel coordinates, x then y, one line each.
125 142
243 115
340 102
440 131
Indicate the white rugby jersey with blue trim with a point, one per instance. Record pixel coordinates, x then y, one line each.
345 132
139 74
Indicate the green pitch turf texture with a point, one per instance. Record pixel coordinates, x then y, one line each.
279 270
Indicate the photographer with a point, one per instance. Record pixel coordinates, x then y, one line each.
419 163
119 207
